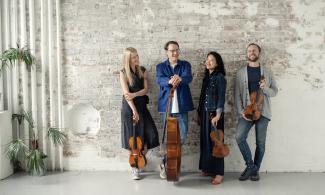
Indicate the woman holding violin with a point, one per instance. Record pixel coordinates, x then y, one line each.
138 128
211 116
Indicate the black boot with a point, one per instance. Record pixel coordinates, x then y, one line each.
248 172
255 176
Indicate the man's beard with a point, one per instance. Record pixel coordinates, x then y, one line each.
253 60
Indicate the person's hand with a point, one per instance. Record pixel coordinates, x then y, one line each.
171 80
262 84
244 117
178 79
136 116
215 120
129 96
175 80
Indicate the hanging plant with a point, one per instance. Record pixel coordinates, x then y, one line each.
9 56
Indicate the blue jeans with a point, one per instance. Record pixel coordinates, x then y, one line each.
243 128
182 119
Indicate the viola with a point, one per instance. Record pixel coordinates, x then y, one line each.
220 150
254 109
136 159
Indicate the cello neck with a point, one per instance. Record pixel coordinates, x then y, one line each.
167 114
171 95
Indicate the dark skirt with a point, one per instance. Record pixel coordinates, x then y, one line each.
145 128
209 163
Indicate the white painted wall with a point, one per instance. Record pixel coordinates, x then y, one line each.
5 137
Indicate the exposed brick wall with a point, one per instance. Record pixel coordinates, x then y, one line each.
96 32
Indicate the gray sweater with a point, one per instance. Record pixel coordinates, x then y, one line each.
242 94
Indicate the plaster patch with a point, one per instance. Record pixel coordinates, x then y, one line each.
83 119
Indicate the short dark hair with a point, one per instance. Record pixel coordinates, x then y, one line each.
259 48
170 43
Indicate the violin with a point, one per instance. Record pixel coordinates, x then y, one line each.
220 149
253 111
136 159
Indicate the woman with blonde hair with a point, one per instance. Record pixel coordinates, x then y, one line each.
134 83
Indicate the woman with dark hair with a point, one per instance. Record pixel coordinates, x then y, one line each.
211 115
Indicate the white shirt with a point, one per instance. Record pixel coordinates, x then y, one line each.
175 108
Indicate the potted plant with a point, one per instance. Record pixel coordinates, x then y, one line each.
18 151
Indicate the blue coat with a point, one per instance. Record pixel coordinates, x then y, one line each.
213 92
164 72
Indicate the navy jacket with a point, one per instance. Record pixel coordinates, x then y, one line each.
213 92
164 72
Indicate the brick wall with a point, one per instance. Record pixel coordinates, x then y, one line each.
291 34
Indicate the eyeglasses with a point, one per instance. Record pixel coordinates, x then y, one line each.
174 51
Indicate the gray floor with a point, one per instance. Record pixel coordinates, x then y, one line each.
94 183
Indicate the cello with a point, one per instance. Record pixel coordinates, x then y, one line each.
173 146
136 159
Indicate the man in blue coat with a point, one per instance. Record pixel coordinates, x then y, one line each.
175 73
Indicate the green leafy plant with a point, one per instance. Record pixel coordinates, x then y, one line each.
56 136
17 150
35 162
9 56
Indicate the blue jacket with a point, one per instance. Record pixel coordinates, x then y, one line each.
213 92
164 72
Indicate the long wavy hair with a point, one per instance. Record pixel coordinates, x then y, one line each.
220 65
127 66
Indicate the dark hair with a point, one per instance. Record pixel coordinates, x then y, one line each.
220 65
170 43
259 48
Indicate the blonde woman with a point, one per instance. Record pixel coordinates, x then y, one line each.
134 83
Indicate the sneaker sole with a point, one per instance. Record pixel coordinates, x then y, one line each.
253 179
162 177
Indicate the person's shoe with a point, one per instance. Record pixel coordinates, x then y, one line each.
255 176
162 171
135 174
249 171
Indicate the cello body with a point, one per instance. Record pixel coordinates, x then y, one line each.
173 146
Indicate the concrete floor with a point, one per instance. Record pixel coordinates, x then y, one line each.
112 183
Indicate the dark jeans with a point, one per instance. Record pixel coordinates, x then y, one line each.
243 128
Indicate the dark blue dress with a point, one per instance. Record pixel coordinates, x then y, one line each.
209 163
146 127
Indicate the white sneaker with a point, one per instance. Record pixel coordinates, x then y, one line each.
162 171
135 174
